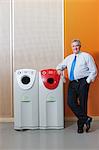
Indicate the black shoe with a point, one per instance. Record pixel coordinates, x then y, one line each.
88 122
80 130
80 124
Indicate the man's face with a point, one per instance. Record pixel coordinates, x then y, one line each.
75 47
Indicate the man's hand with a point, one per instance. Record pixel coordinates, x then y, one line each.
60 72
62 76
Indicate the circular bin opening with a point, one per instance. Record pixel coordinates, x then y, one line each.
50 80
25 80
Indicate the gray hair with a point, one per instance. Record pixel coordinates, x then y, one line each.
76 40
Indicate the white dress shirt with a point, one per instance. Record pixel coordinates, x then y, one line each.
84 67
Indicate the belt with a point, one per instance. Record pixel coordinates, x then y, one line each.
78 80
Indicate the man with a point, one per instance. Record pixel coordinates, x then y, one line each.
81 71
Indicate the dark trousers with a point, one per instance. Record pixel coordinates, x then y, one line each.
78 97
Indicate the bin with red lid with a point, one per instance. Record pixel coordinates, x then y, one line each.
50 100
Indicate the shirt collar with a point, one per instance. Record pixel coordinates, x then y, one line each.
78 53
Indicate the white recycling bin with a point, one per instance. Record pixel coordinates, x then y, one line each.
51 113
25 99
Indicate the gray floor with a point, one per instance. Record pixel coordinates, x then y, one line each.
66 139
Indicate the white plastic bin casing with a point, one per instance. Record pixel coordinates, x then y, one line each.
25 99
51 113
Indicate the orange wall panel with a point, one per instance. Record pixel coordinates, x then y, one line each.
81 21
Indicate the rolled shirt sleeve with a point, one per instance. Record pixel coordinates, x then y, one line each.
92 69
62 65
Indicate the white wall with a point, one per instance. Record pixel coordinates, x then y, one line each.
38 33
5 61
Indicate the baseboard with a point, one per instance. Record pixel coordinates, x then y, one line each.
96 118
70 118
6 119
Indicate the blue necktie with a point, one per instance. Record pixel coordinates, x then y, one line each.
72 69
